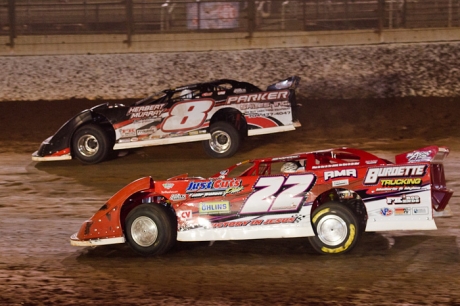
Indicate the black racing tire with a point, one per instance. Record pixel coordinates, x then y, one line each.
150 229
336 228
225 140
91 144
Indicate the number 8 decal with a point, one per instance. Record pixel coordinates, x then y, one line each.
187 115
264 200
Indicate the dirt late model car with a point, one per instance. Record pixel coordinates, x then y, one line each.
219 113
329 196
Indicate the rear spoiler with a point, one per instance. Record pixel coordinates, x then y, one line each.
289 83
431 154
440 194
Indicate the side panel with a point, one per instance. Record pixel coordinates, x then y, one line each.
401 212
244 208
188 120
255 227
399 197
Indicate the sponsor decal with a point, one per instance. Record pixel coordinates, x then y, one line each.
282 105
207 94
177 197
402 211
212 185
140 112
221 193
239 90
185 214
340 173
419 156
255 222
127 132
148 131
404 199
400 188
371 162
339 183
420 211
233 190
221 93
336 165
401 182
373 175
168 185
279 221
218 207
170 191
257 97
386 211
206 194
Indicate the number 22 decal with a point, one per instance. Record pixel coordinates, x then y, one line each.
187 115
264 200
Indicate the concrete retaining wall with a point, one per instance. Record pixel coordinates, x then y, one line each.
377 71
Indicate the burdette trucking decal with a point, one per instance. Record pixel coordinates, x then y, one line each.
374 175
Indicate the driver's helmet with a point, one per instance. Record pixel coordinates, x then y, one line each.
186 94
289 167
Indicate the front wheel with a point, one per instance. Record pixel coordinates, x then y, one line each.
224 142
150 230
336 228
91 144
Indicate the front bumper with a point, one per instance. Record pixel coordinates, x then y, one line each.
95 242
36 157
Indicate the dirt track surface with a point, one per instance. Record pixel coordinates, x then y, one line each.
44 203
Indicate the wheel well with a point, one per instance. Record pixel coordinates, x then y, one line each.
232 116
346 197
142 198
100 121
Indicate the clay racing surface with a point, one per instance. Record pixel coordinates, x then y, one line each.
42 204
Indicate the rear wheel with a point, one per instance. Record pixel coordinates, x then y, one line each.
336 228
150 230
91 144
224 142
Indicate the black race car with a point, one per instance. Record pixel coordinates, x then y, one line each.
218 113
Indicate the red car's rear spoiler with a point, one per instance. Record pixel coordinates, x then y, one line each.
434 155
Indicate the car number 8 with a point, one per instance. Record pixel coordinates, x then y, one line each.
264 200
187 115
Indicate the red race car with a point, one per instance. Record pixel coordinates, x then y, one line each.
329 196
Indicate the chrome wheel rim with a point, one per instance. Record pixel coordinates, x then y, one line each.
144 231
332 230
220 142
88 145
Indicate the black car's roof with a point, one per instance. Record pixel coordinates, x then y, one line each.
217 83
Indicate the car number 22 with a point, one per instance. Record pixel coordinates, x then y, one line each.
267 198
